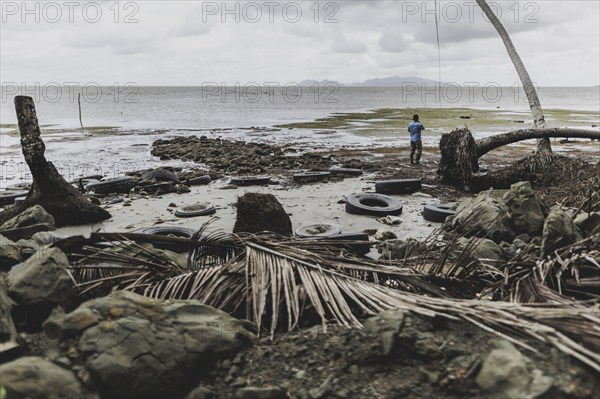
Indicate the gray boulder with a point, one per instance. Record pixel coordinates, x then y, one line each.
42 279
526 211
559 230
588 223
40 239
396 249
387 325
10 252
498 195
137 347
505 374
483 216
479 250
201 392
31 216
7 328
38 378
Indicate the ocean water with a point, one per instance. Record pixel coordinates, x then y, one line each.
120 123
213 106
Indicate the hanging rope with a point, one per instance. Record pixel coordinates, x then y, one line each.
437 34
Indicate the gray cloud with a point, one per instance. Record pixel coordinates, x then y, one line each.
394 40
173 42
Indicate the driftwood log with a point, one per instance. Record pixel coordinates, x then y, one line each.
460 151
49 189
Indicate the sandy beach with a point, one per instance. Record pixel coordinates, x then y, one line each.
311 203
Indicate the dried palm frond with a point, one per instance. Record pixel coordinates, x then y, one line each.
214 248
570 272
277 288
276 284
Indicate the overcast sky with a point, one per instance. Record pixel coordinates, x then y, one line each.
193 42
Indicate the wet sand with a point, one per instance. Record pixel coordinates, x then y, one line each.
306 204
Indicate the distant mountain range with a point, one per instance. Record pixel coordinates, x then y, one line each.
391 81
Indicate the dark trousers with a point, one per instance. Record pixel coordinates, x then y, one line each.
416 147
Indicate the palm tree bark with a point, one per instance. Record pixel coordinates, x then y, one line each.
488 144
532 97
49 188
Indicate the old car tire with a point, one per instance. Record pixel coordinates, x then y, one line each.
318 230
372 204
8 197
250 180
117 185
345 171
361 248
199 181
19 186
177 231
309 177
438 212
200 209
398 186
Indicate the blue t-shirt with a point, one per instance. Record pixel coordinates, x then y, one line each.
415 129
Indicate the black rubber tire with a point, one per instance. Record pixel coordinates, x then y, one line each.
165 185
198 181
87 178
113 200
199 209
19 186
362 248
19 200
359 248
177 231
250 180
398 186
309 177
161 175
117 185
8 197
329 230
438 212
345 171
372 204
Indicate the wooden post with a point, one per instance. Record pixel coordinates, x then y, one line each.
49 188
79 103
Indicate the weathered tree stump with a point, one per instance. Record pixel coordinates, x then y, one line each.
49 188
261 212
459 158
461 152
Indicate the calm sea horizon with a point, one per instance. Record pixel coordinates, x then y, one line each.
214 106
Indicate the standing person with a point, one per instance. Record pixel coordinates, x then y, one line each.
416 145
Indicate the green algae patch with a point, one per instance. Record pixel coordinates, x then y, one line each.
444 119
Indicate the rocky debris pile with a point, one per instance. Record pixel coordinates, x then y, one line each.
570 181
130 346
22 235
126 346
518 217
236 156
396 354
496 224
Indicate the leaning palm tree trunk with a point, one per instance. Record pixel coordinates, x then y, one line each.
487 144
530 92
